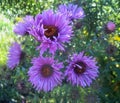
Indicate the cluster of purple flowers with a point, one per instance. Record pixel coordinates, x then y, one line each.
52 30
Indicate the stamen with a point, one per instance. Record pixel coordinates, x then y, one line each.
79 68
46 70
50 31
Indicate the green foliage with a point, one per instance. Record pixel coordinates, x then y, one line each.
89 36
6 37
27 7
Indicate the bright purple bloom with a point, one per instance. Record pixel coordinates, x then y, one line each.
52 30
14 55
110 26
71 11
23 27
81 70
45 73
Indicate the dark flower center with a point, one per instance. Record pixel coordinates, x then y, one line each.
46 70
79 68
50 31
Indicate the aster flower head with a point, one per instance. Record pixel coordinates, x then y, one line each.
14 55
81 70
71 11
52 30
45 73
110 27
23 27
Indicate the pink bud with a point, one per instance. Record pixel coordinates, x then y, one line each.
111 26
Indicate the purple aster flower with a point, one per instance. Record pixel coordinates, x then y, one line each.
45 73
71 11
52 30
81 70
23 27
14 55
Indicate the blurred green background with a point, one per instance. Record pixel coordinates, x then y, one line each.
89 36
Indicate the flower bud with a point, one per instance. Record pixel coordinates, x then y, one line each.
111 49
110 27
